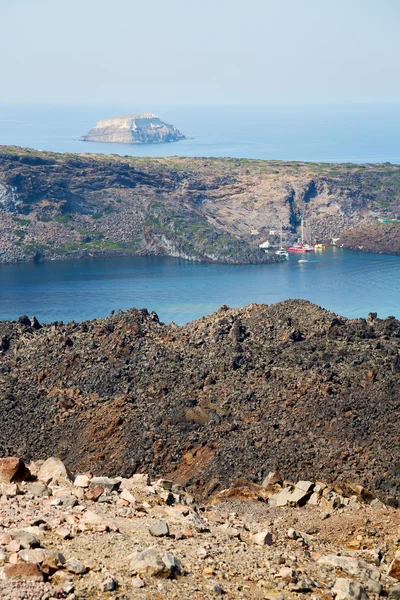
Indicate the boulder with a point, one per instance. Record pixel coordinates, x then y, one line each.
37 555
22 571
73 565
148 562
39 490
352 566
53 469
24 538
348 589
13 469
107 483
82 481
160 529
263 538
273 478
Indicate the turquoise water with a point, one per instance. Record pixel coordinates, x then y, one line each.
349 283
355 133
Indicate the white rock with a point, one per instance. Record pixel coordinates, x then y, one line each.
53 469
348 589
263 538
82 481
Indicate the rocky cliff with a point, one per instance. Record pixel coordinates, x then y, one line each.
70 205
236 394
133 129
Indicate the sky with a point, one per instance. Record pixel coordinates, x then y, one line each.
200 51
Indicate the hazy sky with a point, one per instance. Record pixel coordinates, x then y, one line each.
200 51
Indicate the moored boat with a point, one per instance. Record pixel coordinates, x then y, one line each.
300 246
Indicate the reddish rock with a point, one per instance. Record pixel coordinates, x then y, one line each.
13 469
22 571
95 493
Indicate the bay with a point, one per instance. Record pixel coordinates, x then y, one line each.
349 283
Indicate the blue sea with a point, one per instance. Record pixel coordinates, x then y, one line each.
349 283
354 133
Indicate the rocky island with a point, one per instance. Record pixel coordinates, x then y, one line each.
144 128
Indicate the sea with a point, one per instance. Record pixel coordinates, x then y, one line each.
349 283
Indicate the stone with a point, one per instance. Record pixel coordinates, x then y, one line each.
292 534
68 501
140 478
3 556
95 493
13 546
9 490
37 555
165 484
348 589
63 532
172 565
228 531
5 539
127 496
107 483
82 481
38 490
22 571
352 566
53 469
263 538
109 584
25 539
13 469
280 499
394 593
73 565
52 562
273 478
305 486
298 497
147 562
159 529
97 522
394 567
136 582
286 574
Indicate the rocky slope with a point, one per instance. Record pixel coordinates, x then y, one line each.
235 394
80 537
65 205
133 129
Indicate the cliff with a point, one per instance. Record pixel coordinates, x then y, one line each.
234 394
217 210
145 128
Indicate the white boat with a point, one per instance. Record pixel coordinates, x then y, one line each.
282 252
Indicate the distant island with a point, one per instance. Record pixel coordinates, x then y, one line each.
144 128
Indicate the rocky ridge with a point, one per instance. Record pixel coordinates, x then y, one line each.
238 393
80 536
217 210
144 128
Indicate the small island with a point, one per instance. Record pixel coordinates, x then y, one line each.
144 128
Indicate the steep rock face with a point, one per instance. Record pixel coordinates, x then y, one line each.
63 206
239 393
134 129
